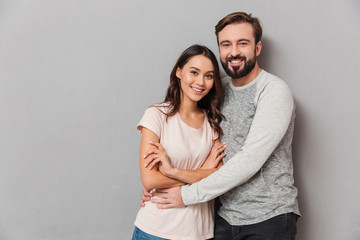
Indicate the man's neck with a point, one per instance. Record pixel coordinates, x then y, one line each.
239 82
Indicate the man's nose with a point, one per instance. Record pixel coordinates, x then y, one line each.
235 50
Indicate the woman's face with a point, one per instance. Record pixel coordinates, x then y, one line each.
196 78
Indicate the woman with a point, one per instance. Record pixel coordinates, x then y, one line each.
185 125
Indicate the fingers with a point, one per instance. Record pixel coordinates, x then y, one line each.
150 156
150 161
154 150
158 145
215 156
153 160
219 148
146 193
168 198
155 155
145 197
161 200
161 195
151 151
220 157
165 203
153 163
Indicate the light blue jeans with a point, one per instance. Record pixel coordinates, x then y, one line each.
140 235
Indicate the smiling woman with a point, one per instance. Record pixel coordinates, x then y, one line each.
178 135
196 78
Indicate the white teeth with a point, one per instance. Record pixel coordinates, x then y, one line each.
198 90
235 61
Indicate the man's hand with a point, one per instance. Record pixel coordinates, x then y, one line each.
145 197
168 198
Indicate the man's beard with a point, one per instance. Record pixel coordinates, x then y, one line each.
235 72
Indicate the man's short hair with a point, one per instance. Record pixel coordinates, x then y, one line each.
240 17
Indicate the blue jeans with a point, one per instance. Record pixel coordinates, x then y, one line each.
282 227
141 235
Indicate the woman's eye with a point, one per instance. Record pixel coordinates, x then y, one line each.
194 73
210 76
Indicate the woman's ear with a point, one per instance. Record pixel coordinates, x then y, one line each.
178 73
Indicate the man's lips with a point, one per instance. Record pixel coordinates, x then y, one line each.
236 62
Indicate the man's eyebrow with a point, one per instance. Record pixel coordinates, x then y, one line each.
225 41
240 40
244 40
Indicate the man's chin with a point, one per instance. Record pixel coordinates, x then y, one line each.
235 75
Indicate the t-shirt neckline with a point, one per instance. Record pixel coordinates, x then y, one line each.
184 123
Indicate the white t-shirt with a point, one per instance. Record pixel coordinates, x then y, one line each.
187 148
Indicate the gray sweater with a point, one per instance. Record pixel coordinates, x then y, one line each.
256 181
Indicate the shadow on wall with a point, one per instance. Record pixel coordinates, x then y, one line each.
266 62
266 55
298 149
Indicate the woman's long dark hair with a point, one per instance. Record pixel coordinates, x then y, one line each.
211 102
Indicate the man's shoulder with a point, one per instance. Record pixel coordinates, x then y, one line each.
271 81
270 77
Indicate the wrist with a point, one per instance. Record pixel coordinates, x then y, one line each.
173 172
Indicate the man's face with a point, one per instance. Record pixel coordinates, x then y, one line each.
237 48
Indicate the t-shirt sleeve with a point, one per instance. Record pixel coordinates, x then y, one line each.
152 120
215 135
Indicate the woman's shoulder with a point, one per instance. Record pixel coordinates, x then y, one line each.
154 118
161 108
158 111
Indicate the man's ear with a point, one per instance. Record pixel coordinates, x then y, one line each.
258 48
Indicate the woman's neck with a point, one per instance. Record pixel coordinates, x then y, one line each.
189 108
191 114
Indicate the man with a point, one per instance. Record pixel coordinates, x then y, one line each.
256 185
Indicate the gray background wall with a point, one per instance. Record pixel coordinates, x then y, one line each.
76 76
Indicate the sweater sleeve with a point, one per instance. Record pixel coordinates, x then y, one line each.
274 109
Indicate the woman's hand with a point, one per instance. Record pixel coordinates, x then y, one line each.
145 197
215 156
158 155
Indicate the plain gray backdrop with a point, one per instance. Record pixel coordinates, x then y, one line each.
77 75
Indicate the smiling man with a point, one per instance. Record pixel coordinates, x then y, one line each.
258 199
